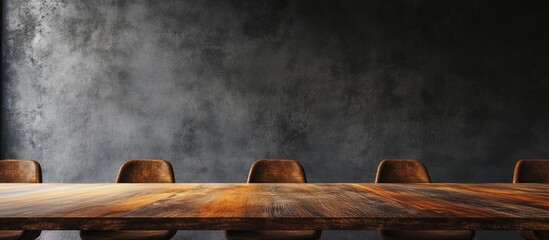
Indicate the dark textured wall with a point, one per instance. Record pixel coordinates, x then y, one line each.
213 85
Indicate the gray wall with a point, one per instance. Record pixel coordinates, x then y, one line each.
213 85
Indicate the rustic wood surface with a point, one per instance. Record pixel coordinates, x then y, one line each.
274 206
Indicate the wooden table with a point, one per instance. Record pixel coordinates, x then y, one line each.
274 206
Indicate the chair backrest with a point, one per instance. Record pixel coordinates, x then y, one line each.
146 171
277 171
20 171
532 171
402 171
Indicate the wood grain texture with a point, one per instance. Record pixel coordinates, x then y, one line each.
274 206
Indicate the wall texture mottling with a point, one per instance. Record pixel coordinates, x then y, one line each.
213 85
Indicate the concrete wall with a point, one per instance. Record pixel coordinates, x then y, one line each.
213 85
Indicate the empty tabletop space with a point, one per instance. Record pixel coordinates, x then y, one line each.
109 206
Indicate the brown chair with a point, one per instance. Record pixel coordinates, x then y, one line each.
532 171
413 171
138 171
19 171
275 171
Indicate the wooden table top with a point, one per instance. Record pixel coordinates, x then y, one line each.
274 206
